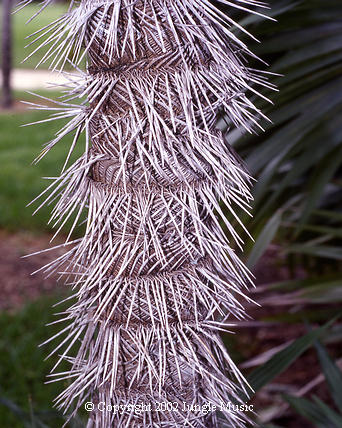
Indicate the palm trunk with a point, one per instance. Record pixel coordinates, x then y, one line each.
157 279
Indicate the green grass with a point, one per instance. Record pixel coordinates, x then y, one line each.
24 399
21 30
20 182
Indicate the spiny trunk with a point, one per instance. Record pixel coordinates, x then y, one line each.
156 276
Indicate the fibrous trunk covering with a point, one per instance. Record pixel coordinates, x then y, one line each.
155 276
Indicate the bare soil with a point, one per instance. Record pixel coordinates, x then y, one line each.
17 283
16 107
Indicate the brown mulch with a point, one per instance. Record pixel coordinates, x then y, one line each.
17 283
261 338
17 107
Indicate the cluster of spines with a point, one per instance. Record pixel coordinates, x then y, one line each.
155 275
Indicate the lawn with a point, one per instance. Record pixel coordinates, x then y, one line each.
20 181
24 399
21 30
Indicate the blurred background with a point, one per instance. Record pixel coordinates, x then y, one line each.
290 347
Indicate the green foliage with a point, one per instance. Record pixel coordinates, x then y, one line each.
264 239
332 374
283 359
298 166
298 160
316 411
22 29
321 415
21 182
24 399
